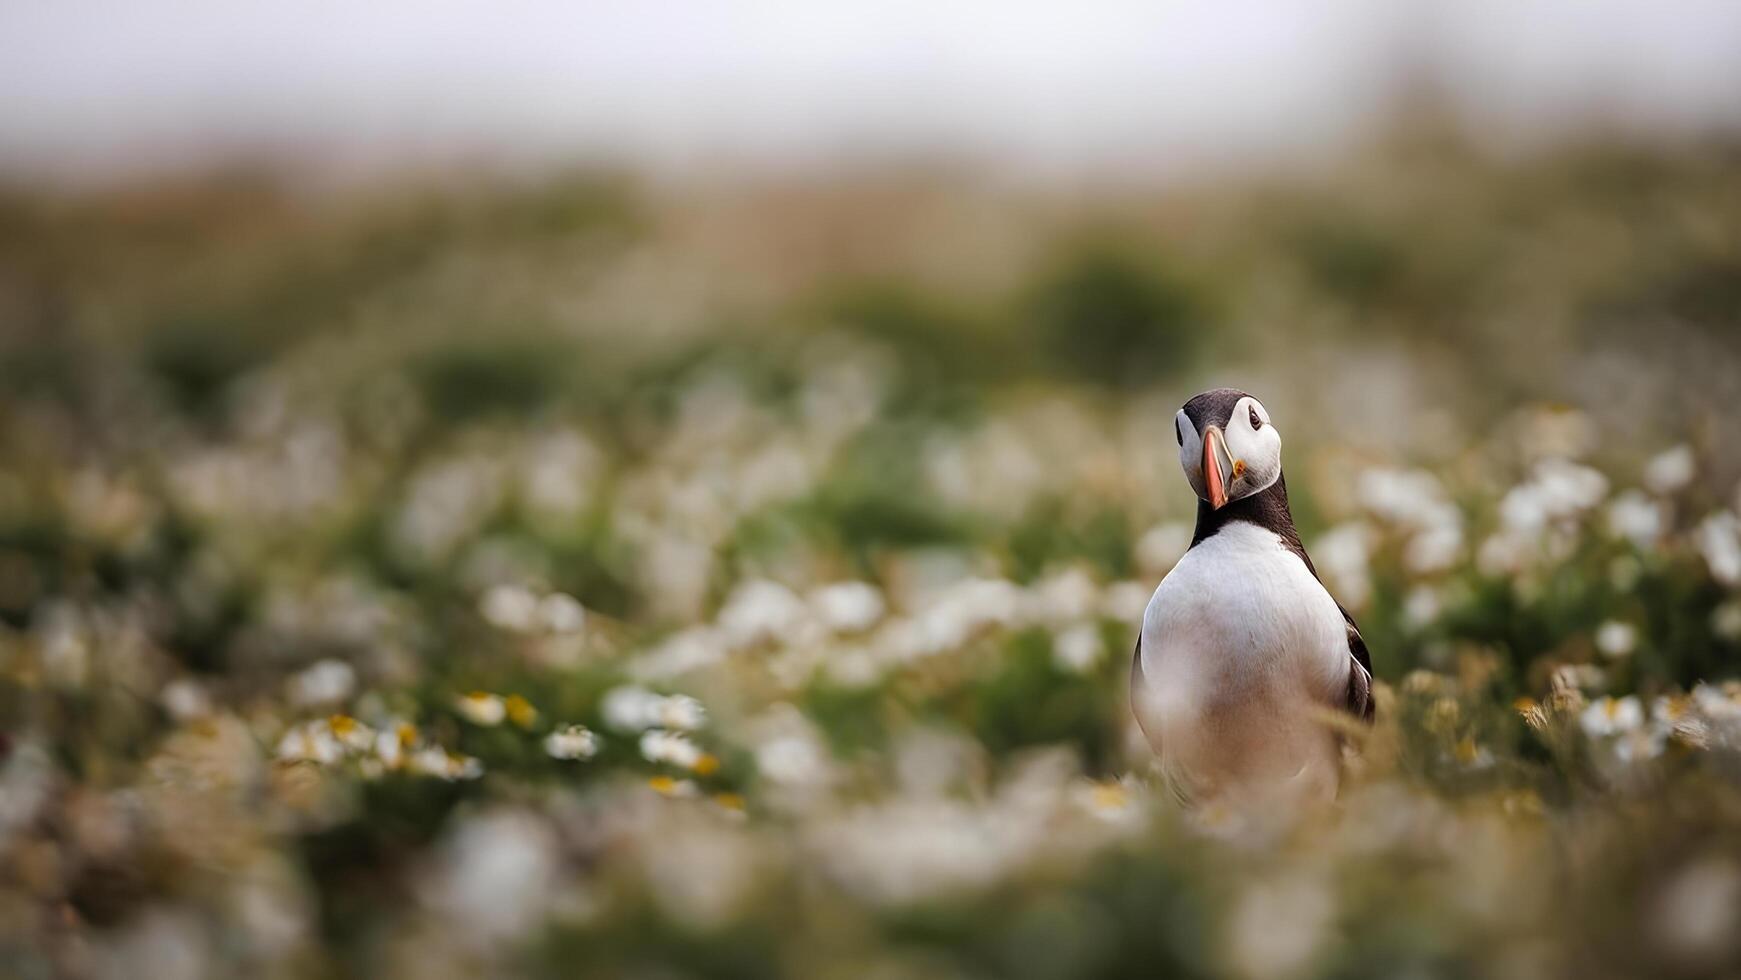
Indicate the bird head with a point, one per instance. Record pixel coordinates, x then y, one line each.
1227 446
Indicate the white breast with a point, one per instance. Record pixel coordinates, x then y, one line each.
1242 649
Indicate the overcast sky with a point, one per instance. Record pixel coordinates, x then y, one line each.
100 86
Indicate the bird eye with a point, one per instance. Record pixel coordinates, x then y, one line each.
1178 433
1256 423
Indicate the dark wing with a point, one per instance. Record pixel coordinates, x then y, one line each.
1359 672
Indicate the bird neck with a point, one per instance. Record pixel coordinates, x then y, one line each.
1268 509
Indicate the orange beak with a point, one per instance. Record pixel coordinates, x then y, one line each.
1214 478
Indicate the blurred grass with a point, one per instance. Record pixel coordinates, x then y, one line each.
248 428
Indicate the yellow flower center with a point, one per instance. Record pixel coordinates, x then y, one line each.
1108 797
520 711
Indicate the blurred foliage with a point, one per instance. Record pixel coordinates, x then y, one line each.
326 514
1103 315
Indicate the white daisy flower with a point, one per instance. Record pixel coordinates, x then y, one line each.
390 749
1719 539
1161 546
848 607
1434 549
630 708
1719 704
1125 600
510 607
429 761
571 742
326 682
1607 716
673 748
1422 606
1637 518
1343 553
1670 470
561 613
310 742
351 733
435 761
481 708
1078 648
1616 639
760 611
185 699
682 712
1641 745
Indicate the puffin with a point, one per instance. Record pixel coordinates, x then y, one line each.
1244 656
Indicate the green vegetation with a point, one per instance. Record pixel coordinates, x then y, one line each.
535 579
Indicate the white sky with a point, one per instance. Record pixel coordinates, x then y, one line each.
100 86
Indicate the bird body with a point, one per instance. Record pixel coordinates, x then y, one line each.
1243 654
1239 644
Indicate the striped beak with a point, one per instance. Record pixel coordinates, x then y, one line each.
1217 467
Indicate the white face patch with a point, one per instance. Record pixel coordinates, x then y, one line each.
1256 448
1253 444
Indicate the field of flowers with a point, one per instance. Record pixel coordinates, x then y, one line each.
572 578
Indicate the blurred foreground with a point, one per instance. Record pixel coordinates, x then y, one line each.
575 578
